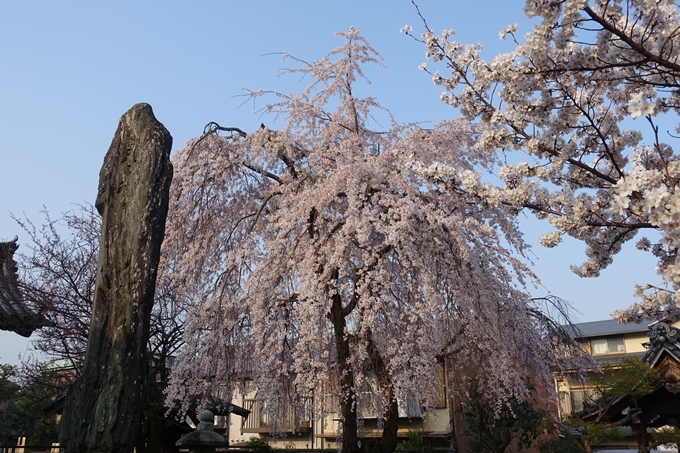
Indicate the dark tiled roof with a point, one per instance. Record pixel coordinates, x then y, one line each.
608 327
14 315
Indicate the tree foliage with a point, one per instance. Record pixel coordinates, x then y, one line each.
257 444
668 436
631 379
493 426
22 414
413 442
57 280
559 444
332 245
559 109
8 386
8 392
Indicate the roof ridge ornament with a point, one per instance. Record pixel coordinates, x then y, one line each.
15 315
662 331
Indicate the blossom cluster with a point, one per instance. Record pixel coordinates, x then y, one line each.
564 99
328 255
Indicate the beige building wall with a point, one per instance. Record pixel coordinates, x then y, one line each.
437 421
634 342
572 391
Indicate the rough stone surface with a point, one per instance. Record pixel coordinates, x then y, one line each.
103 408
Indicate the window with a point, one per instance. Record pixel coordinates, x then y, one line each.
610 345
440 400
578 398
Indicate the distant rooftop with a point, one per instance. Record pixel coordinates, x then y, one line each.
608 327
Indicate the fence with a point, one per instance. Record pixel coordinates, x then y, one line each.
317 450
38 449
51 449
257 421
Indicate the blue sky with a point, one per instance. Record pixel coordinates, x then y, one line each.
68 70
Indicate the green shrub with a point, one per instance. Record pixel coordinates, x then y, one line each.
414 441
258 444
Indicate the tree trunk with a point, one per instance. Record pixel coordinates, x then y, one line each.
642 439
501 444
347 396
388 441
587 448
102 411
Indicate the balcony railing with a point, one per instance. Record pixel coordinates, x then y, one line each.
369 404
258 421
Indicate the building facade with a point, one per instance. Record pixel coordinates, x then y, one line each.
301 427
609 342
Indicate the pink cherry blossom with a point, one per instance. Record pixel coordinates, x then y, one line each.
327 254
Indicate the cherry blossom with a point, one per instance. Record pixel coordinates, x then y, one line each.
327 254
557 110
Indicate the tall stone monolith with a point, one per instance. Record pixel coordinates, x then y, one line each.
103 408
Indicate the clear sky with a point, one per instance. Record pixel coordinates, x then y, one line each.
69 70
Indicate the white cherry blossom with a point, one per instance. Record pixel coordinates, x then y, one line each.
562 100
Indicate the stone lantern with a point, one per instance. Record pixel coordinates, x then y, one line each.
204 439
